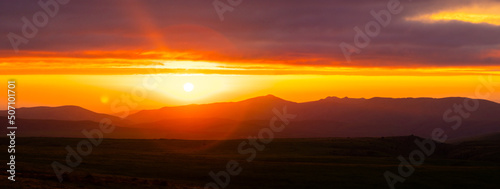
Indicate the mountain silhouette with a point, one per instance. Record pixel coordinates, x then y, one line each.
328 117
64 113
258 108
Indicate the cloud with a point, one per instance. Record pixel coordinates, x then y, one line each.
274 32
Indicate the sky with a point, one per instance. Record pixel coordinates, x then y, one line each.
95 51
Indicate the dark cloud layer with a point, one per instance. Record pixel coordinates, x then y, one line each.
281 31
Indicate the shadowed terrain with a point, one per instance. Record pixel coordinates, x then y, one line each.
284 163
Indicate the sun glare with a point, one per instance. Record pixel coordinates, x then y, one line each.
188 87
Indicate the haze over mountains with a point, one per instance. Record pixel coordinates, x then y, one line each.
329 117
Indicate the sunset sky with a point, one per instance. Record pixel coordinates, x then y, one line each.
93 52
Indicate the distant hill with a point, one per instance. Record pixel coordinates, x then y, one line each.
340 117
331 108
259 108
487 137
329 117
65 113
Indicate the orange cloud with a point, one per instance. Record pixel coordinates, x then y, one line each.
477 13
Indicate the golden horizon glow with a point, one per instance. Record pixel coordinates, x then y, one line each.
100 92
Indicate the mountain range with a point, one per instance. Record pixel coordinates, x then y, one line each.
329 117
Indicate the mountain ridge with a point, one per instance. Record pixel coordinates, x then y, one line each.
328 117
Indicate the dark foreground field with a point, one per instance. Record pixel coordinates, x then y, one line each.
284 163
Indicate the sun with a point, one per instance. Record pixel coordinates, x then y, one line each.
188 87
